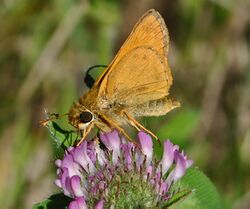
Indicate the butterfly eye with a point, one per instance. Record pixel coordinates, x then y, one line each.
86 117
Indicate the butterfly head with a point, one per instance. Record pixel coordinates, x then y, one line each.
80 117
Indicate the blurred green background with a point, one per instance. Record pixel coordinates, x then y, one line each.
45 47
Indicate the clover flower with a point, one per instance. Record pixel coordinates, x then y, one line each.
122 175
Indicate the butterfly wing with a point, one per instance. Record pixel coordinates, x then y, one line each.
140 72
142 75
150 30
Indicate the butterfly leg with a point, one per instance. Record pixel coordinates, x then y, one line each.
139 126
85 132
114 125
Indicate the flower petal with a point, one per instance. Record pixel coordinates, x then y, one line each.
146 145
148 172
58 183
100 204
68 190
73 168
80 156
112 142
73 205
189 163
179 169
163 188
91 151
58 163
127 153
168 156
64 182
78 203
101 157
77 189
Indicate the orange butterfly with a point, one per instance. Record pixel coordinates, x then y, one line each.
136 83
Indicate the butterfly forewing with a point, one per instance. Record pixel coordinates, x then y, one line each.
140 76
151 31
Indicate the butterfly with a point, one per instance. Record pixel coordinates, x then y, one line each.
136 83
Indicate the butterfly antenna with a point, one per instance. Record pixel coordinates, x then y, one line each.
50 117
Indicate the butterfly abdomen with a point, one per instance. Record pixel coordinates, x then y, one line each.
155 107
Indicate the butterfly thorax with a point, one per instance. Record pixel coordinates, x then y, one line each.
97 105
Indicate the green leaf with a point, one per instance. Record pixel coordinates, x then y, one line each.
178 196
62 137
56 201
203 196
